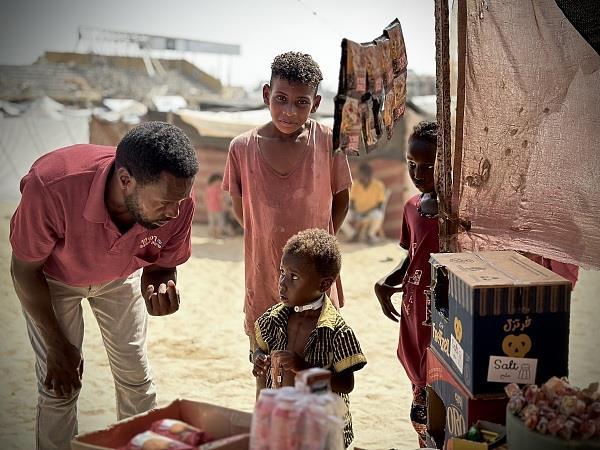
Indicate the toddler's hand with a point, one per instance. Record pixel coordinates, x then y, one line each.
262 363
290 361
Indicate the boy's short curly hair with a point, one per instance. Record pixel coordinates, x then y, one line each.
153 147
297 67
425 131
318 246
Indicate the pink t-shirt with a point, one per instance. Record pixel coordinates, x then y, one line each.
213 195
277 206
420 237
62 217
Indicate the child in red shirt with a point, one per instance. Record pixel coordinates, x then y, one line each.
412 277
215 207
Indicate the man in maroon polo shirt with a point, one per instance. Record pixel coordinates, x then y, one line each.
110 226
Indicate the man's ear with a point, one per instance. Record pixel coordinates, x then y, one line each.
266 94
316 103
326 283
126 181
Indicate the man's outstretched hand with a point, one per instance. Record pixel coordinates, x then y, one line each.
162 301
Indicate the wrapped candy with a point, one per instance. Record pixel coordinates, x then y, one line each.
587 429
542 425
557 408
555 425
516 403
512 390
568 405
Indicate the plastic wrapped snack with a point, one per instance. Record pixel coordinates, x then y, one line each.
374 69
293 418
180 431
385 61
397 47
149 440
350 127
399 89
313 380
369 130
355 68
388 113
261 419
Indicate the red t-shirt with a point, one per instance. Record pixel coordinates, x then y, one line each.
420 237
213 196
62 217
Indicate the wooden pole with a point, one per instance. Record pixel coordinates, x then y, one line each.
443 172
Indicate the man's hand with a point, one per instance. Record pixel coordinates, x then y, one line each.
384 294
162 301
262 363
64 369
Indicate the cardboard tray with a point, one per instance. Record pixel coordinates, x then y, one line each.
229 427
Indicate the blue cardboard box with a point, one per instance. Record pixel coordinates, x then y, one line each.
497 318
451 409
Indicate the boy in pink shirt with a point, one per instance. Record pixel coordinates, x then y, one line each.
284 178
110 226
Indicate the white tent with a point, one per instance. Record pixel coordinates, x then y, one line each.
42 126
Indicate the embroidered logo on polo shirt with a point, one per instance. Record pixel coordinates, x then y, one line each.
154 240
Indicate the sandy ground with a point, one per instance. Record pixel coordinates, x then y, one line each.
200 352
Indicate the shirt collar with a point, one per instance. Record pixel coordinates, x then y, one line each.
327 318
328 314
95 207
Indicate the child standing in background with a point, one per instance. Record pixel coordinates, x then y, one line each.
215 206
419 237
283 178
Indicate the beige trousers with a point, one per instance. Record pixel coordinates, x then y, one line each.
121 314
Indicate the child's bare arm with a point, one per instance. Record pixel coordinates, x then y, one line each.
238 211
342 382
339 208
389 285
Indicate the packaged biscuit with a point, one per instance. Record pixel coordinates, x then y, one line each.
378 114
388 112
150 440
369 133
397 47
399 89
350 126
372 58
180 431
385 61
354 67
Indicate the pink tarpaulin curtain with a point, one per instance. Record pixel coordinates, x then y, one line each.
529 171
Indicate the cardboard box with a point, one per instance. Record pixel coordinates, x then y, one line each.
451 409
462 443
497 318
229 427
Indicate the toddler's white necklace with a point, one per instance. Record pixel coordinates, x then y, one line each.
314 305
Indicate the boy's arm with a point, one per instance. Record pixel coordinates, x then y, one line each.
339 208
238 210
389 285
342 382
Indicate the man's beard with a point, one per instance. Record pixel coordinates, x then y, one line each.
133 206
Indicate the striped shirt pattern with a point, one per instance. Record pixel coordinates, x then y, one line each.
332 345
